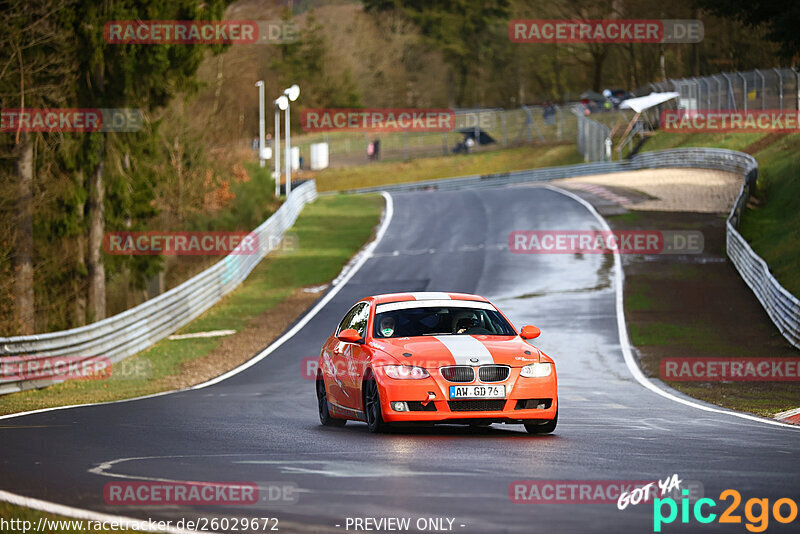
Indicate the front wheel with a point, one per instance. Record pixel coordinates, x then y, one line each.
322 403
546 428
372 405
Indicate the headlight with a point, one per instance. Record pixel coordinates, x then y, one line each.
405 372
537 370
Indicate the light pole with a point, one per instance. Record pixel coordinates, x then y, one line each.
280 104
260 85
291 94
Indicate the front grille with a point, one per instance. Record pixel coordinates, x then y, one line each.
493 373
416 406
458 373
477 405
533 404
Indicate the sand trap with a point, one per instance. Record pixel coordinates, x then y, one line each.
698 190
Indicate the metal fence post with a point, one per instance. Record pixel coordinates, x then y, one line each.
797 86
744 90
763 90
730 100
780 87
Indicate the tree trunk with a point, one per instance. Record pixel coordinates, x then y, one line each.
23 249
598 59
79 281
96 269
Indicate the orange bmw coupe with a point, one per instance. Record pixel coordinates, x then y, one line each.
435 358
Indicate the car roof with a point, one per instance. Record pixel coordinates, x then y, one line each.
424 295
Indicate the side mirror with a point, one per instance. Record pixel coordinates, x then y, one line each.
349 336
529 332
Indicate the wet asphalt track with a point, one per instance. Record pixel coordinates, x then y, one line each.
261 425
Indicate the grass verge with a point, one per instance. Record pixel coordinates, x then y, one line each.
393 172
329 231
696 306
771 224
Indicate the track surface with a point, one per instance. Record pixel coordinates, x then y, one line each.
261 425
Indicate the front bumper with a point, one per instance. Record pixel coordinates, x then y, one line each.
524 400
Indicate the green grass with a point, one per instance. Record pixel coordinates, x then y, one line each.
638 301
497 161
329 231
773 226
732 141
629 217
674 335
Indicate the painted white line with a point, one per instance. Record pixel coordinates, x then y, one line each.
212 333
625 343
78 513
126 523
365 254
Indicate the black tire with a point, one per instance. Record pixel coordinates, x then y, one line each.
322 403
546 428
372 405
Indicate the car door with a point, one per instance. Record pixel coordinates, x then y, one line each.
352 355
335 364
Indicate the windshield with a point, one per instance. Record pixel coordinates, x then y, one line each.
440 320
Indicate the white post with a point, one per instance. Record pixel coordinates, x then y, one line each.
277 151
260 85
288 156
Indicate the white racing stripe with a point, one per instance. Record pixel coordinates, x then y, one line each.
466 349
409 304
430 295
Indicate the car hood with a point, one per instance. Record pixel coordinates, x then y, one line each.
439 351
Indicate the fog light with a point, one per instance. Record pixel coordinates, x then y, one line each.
400 406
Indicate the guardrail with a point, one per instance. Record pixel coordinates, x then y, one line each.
781 306
133 330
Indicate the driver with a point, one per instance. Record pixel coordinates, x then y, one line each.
464 321
387 326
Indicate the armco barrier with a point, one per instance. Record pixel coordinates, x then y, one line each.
133 330
781 306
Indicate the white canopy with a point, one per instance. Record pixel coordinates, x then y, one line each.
643 103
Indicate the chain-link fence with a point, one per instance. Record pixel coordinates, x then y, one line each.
757 89
594 138
490 129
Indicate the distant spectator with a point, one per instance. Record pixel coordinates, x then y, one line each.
370 150
469 143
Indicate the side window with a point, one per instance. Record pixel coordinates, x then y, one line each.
346 319
359 320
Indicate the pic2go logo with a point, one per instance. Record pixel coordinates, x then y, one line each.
758 521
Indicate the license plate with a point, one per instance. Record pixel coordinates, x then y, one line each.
477 392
